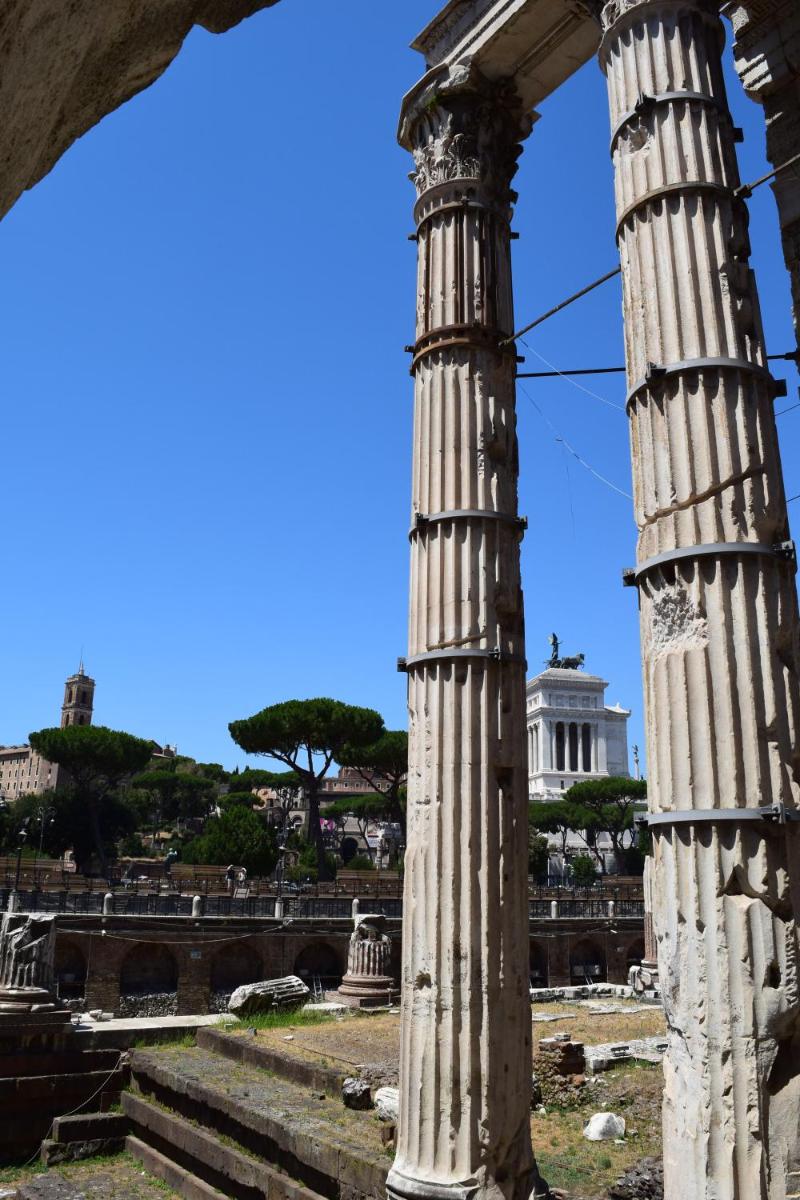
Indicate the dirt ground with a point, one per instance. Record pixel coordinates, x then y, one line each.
372 1042
581 1169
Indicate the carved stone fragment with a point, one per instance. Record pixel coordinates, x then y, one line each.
27 951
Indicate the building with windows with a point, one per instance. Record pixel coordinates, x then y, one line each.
22 770
78 699
572 733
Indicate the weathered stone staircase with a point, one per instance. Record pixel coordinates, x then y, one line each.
228 1118
38 1085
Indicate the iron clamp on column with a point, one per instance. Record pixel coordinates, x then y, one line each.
772 814
423 521
785 551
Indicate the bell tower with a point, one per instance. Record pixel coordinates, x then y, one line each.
78 699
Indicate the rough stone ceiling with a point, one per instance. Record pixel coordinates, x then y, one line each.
64 64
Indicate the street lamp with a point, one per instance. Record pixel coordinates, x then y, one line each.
23 837
279 872
45 817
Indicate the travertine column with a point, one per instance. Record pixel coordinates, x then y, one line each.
465 1057
767 52
719 620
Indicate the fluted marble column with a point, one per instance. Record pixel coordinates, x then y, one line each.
767 53
465 1057
719 621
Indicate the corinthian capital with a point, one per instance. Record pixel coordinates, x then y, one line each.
459 125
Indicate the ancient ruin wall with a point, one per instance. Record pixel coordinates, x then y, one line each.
65 64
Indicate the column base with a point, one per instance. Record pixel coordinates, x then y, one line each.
368 991
26 1000
404 1187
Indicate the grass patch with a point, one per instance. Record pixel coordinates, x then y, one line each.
568 1161
291 1019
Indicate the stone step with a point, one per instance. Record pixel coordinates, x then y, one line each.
69 1088
177 1178
199 1151
84 1136
29 1105
296 1070
301 1133
66 1062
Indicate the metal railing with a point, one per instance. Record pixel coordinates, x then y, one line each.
296 907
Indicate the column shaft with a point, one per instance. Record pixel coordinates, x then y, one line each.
719 626
465 1037
767 52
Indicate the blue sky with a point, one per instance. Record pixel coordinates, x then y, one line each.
207 403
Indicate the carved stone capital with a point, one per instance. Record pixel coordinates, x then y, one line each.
614 11
461 126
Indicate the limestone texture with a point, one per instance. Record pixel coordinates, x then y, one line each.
387 1104
369 962
465 1053
65 64
604 1127
263 997
718 611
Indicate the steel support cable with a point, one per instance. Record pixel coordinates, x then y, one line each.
743 193
564 304
747 189
792 356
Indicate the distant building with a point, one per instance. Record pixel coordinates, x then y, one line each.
572 733
22 770
347 783
78 699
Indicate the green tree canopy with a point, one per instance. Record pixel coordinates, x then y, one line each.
383 764
238 836
237 800
307 736
65 825
98 760
178 795
538 854
584 871
552 816
607 806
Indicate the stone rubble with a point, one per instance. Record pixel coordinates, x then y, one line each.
608 1054
288 992
387 1104
356 1093
604 1127
644 1181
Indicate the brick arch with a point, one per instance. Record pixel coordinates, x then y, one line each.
634 952
537 963
70 969
235 964
587 962
149 967
319 960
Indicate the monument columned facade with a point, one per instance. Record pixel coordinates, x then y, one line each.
573 734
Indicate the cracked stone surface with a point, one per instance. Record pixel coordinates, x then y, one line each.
465 1047
719 627
65 64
